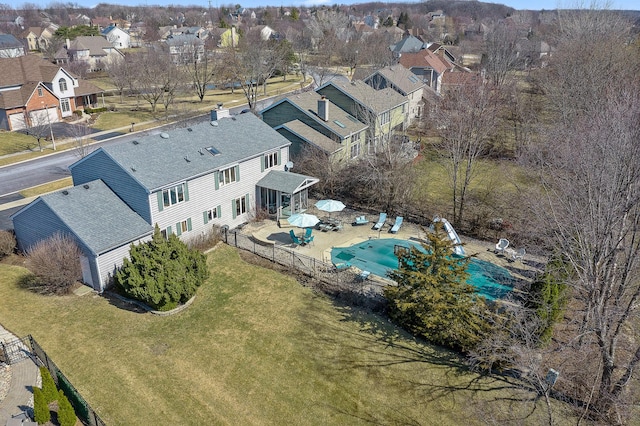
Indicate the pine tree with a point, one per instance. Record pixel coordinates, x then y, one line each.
41 411
49 389
547 296
66 415
432 299
162 272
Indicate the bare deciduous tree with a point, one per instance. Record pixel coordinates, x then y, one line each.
501 56
465 120
55 262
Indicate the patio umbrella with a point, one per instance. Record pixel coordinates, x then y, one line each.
303 220
330 205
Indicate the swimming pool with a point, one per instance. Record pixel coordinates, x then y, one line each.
377 256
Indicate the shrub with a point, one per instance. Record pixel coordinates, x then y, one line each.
56 264
41 411
7 243
66 415
162 272
49 389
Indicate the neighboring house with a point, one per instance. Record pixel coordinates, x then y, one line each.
402 81
95 51
20 77
265 31
384 111
31 104
186 181
228 38
309 118
184 47
409 44
441 50
46 35
455 79
10 47
118 37
32 37
100 223
427 65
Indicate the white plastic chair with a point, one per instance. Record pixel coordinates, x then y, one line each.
502 245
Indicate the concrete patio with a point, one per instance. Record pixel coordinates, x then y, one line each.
269 232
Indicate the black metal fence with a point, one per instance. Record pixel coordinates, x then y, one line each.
327 277
82 408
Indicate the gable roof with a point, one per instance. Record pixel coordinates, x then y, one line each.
340 122
310 135
404 80
287 182
86 88
8 41
408 44
96 45
425 59
16 71
159 160
95 215
19 97
376 101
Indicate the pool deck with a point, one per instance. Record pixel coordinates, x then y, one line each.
268 231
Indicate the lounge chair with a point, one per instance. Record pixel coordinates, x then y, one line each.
502 245
397 225
380 223
307 233
294 238
518 254
360 220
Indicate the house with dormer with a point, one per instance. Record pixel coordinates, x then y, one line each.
428 66
31 86
95 51
185 181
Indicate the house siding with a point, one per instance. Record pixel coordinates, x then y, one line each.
203 196
99 165
341 100
29 231
104 266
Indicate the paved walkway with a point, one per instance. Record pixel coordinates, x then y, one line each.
24 376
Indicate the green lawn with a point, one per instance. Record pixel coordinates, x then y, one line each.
255 347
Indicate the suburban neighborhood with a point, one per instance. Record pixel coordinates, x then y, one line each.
390 213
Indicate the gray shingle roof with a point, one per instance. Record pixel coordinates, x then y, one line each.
156 161
402 78
378 101
97 216
286 182
408 44
308 102
311 135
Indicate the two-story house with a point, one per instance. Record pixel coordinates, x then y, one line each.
383 111
30 85
310 118
428 66
95 51
184 180
118 37
402 81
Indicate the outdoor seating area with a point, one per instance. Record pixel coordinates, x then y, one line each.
327 224
503 248
302 240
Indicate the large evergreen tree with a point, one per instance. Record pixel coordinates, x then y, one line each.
162 272
432 299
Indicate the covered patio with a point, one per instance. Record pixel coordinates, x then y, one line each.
282 193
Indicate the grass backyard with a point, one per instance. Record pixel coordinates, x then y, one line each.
255 347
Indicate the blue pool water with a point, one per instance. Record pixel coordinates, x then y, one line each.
377 256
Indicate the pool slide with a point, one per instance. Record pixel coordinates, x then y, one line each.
453 235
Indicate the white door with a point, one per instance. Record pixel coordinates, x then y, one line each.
17 121
44 116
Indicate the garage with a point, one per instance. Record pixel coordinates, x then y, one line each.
44 116
17 121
